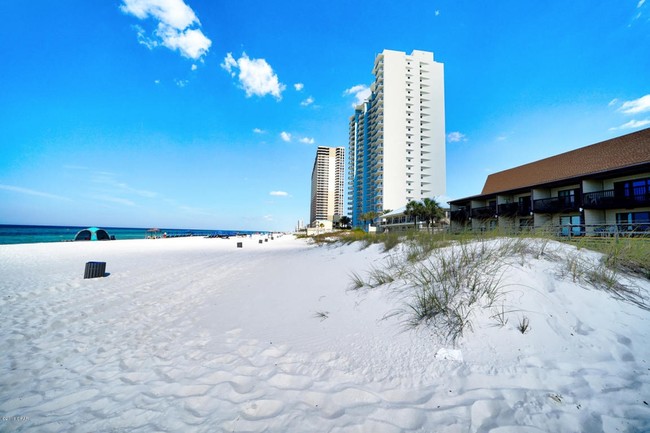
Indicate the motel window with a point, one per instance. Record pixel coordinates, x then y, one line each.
637 189
568 196
633 221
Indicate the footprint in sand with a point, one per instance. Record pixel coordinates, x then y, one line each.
262 409
624 340
582 329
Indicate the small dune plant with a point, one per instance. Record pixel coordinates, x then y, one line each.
524 325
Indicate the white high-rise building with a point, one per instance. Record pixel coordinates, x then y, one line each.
397 136
327 184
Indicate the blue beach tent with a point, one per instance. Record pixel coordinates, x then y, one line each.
92 234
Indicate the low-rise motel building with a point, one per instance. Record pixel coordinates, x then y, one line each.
398 221
598 190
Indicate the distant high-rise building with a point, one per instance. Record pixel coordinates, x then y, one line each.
397 136
327 184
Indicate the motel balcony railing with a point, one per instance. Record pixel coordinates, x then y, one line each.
459 216
514 209
608 199
557 204
484 212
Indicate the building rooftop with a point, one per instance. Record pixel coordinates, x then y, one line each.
620 152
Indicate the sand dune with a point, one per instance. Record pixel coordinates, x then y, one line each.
195 334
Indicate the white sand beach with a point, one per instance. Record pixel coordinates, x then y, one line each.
195 334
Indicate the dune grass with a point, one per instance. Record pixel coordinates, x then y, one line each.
442 278
627 254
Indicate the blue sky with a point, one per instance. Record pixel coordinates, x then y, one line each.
207 114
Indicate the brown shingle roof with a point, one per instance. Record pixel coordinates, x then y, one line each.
625 151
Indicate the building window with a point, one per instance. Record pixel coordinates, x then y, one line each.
633 221
568 196
637 190
570 225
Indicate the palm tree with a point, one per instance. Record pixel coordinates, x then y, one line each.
368 216
415 210
344 221
432 211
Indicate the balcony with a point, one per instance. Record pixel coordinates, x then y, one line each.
609 199
485 212
557 204
514 209
508 209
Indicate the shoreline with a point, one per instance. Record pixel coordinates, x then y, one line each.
27 234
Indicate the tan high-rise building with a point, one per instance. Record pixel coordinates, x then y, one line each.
327 184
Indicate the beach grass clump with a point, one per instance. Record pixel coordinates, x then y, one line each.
390 271
322 315
632 255
607 274
609 279
574 266
500 316
356 281
443 290
390 240
419 245
379 276
627 254
524 325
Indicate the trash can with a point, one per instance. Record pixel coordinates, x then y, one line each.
95 269
261 241
240 244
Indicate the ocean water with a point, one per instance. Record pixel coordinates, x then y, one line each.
22 234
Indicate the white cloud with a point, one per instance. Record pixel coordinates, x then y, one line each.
143 39
259 131
255 76
299 86
176 28
279 193
28 191
194 67
307 102
171 12
640 3
156 81
632 124
612 102
455 137
636 106
361 92
285 136
191 43
229 63
437 13
307 140
181 83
